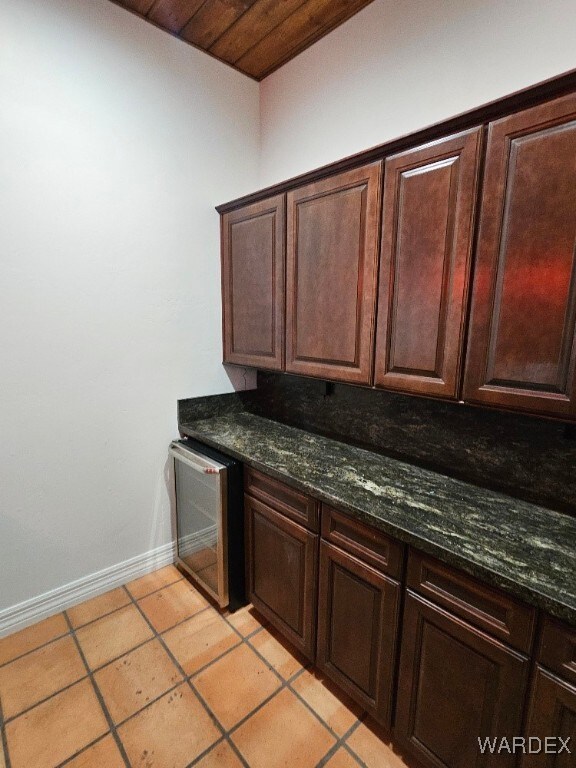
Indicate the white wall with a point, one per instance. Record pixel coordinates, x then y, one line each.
116 141
400 66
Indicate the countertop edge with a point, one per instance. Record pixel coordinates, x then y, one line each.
531 596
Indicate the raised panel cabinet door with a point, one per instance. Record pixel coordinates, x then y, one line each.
253 265
357 629
456 685
552 714
522 341
331 274
427 232
282 565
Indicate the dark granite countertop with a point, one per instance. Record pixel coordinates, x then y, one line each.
526 549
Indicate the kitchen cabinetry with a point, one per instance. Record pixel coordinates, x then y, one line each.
282 557
425 262
457 681
253 264
552 711
456 671
331 272
522 343
521 349
358 609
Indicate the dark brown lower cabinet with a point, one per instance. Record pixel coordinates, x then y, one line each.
357 629
282 573
552 714
456 685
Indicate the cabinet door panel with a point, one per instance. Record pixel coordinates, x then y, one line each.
427 229
552 713
332 254
357 629
282 570
522 346
253 262
456 685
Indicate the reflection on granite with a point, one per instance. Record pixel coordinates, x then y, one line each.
526 549
524 456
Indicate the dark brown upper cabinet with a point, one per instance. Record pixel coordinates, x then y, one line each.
253 264
427 232
522 344
331 268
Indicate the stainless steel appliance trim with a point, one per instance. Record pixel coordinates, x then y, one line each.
207 466
195 460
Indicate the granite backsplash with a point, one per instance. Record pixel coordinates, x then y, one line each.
530 458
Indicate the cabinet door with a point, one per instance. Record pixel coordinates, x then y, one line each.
522 345
553 714
282 571
332 258
427 231
253 263
357 629
456 685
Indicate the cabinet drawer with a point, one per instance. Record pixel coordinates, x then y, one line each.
487 608
295 505
558 649
367 543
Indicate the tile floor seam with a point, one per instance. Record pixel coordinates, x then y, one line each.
226 733
207 751
353 754
136 602
340 742
117 658
243 637
316 714
38 648
284 686
47 698
150 703
4 738
179 667
170 583
212 661
99 696
92 621
84 749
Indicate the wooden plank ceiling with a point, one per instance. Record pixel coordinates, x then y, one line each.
254 36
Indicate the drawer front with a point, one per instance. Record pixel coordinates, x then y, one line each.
367 543
294 504
490 609
558 649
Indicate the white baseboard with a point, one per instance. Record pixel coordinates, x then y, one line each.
37 608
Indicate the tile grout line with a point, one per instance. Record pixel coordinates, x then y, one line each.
99 696
211 715
4 738
81 751
44 700
81 626
186 679
33 650
356 757
340 742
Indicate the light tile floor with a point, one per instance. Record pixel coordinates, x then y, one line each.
150 675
